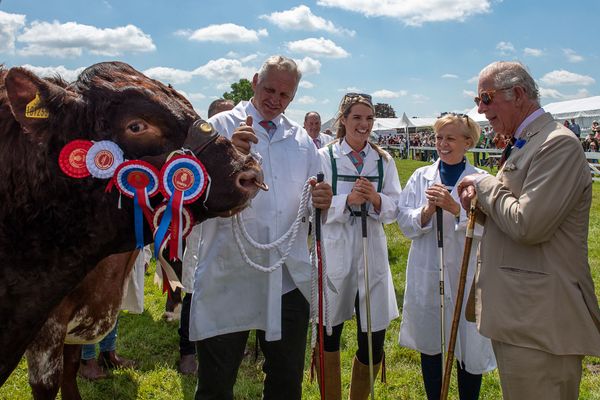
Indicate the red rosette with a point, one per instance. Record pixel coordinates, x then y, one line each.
72 158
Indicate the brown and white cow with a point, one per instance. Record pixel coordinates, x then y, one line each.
55 229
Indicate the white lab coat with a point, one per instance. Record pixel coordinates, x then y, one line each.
420 327
342 240
190 258
325 139
230 296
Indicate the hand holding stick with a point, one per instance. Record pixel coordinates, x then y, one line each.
459 300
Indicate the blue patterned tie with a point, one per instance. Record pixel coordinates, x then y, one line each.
357 159
269 126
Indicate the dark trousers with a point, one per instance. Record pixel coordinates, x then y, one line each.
332 343
185 346
219 357
431 366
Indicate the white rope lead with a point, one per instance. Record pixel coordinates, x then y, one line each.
239 230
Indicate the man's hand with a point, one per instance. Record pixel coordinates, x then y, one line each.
321 194
244 136
466 190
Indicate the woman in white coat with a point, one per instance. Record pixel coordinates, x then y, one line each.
430 187
359 172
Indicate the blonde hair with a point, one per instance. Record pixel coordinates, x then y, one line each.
466 125
348 101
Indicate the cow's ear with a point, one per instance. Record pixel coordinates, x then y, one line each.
28 97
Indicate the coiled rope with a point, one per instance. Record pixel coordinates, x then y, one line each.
239 230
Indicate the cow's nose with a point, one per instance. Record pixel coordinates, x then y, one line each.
250 181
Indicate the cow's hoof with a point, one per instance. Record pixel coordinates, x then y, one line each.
91 370
110 359
188 365
174 314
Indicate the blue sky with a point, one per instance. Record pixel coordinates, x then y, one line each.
420 56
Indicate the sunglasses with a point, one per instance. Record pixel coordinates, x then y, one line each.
350 98
487 96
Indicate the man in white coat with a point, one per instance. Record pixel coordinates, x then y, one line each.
312 124
230 298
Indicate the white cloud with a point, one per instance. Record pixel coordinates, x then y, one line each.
68 75
572 56
306 100
562 77
306 84
557 95
10 24
469 93
224 86
196 96
71 39
225 70
474 79
414 12
533 52
388 94
226 33
302 18
320 47
308 66
169 75
505 48
450 76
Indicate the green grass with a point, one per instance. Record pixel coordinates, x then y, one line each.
154 343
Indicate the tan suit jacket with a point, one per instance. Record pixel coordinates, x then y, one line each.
534 288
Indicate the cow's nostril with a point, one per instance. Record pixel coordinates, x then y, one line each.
251 181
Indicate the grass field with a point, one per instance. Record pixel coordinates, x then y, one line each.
154 343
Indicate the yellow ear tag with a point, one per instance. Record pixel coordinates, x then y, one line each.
34 108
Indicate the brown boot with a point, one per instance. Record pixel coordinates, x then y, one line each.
360 386
110 359
187 364
91 370
333 381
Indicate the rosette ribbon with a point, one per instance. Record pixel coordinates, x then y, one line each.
183 179
138 180
165 273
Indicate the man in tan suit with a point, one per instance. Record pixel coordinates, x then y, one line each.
534 295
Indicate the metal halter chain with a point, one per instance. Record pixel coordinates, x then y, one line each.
239 229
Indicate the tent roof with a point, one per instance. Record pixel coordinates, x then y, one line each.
586 107
382 124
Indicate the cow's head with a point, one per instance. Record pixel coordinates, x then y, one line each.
147 119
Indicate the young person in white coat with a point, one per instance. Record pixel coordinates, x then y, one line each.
360 173
430 187
231 298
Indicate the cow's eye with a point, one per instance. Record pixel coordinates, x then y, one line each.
136 127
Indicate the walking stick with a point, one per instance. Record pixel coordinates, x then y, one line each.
363 218
320 177
440 244
459 300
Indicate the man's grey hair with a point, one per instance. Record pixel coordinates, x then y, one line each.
507 74
279 63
